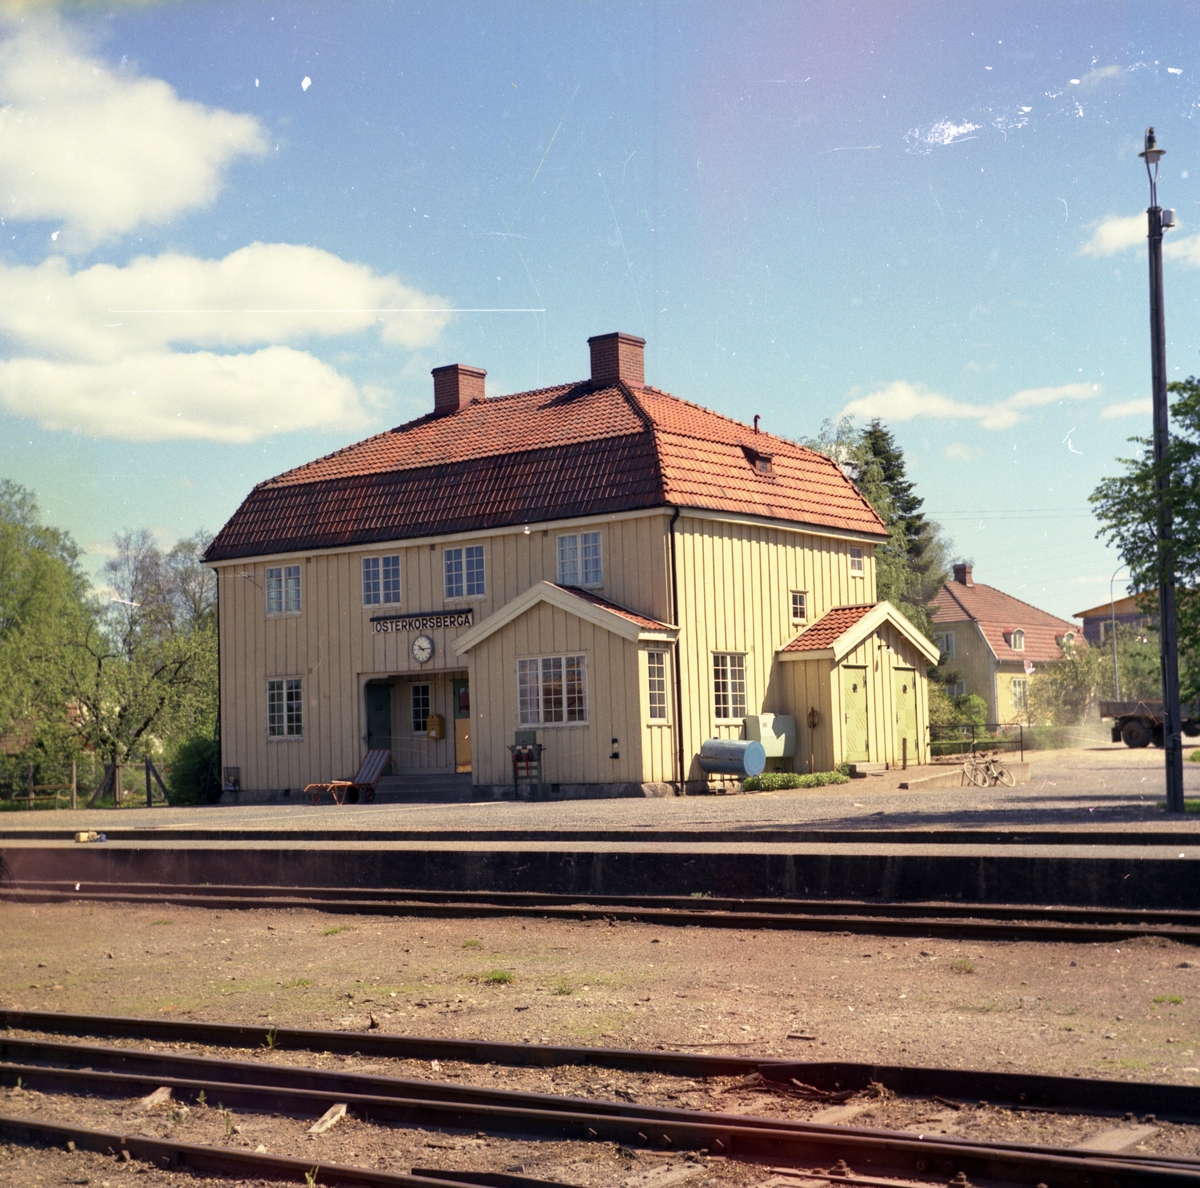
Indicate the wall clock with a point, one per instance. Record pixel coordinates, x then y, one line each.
422 648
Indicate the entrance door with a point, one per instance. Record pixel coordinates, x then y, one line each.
904 694
379 718
461 700
854 705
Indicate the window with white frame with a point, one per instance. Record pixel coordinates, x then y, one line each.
656 675
552 689
420 708
579 561
856 561
945 643
283 589
285 708
957 689
729 685
381 580
799 606
1017 641
1020 693
464 572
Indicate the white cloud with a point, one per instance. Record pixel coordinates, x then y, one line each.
1099 76
902 401
944 132
964 453
1115 233
1130 408
154 396
1186 249
263 293
102 149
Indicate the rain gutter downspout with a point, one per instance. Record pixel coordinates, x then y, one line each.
679 765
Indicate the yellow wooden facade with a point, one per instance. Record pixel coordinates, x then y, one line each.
710 583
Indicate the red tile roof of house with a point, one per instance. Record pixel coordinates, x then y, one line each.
555 453
828 629
999 615
625 613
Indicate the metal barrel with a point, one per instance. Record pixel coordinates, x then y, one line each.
732 756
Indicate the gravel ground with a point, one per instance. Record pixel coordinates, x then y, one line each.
1128 1011
1095 785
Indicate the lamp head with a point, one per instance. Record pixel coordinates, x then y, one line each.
1152 154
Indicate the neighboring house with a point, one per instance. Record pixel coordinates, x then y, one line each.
616 570
996 641
1097 622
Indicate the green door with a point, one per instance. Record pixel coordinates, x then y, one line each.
379 717
854 706
904 695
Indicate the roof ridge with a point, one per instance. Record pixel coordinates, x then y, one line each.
630 398
1014 598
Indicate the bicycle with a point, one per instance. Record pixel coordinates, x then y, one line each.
987 772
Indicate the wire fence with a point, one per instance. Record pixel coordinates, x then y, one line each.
951 741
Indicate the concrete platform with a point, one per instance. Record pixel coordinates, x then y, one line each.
1087 830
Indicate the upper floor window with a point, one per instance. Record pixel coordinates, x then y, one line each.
552 689
285 708
283 589
381 580
856 560
579 561
464 572
799 606
1017 641
729 685
656 670
945 643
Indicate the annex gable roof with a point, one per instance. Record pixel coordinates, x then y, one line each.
998 615
583 604
554 453
838 632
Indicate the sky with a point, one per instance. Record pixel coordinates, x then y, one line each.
236 237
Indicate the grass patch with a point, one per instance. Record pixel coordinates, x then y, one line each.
1194 757
1171 998
962 965
338 928
159 923
497 977
983 1008
562 987
472 944
298 984
776 781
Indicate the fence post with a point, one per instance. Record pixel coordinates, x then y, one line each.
31 785
74 787
117 788
149 793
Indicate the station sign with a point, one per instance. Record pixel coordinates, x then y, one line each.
423 621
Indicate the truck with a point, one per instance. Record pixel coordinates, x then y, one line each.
1139 723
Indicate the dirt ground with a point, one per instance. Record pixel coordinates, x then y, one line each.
1121 1011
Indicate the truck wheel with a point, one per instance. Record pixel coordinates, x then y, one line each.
1191 728
1135 733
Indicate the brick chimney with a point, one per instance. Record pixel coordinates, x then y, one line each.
618 357
962 573
455 386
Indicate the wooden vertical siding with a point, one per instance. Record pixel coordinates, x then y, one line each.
574 753
809 685
735 583
332 646
974 658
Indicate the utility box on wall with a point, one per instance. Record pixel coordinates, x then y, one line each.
776 732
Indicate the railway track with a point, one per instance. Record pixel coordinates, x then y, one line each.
261 1086
966 921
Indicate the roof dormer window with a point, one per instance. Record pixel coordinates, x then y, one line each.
760 462
1017 640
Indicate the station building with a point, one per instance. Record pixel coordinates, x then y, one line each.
599 565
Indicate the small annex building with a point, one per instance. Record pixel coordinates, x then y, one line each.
996 641
599 565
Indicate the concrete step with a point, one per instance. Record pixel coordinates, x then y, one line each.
858 770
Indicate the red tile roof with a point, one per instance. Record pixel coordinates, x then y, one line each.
550 454
625 613
998 615
828 629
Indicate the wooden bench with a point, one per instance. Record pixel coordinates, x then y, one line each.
363 784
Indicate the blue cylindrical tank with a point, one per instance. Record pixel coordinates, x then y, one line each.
732 756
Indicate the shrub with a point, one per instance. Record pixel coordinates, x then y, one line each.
497 977
195 775
774 781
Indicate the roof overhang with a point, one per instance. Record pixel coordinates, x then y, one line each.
581 608
880 613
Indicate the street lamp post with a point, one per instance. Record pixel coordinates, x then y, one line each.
1157 220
